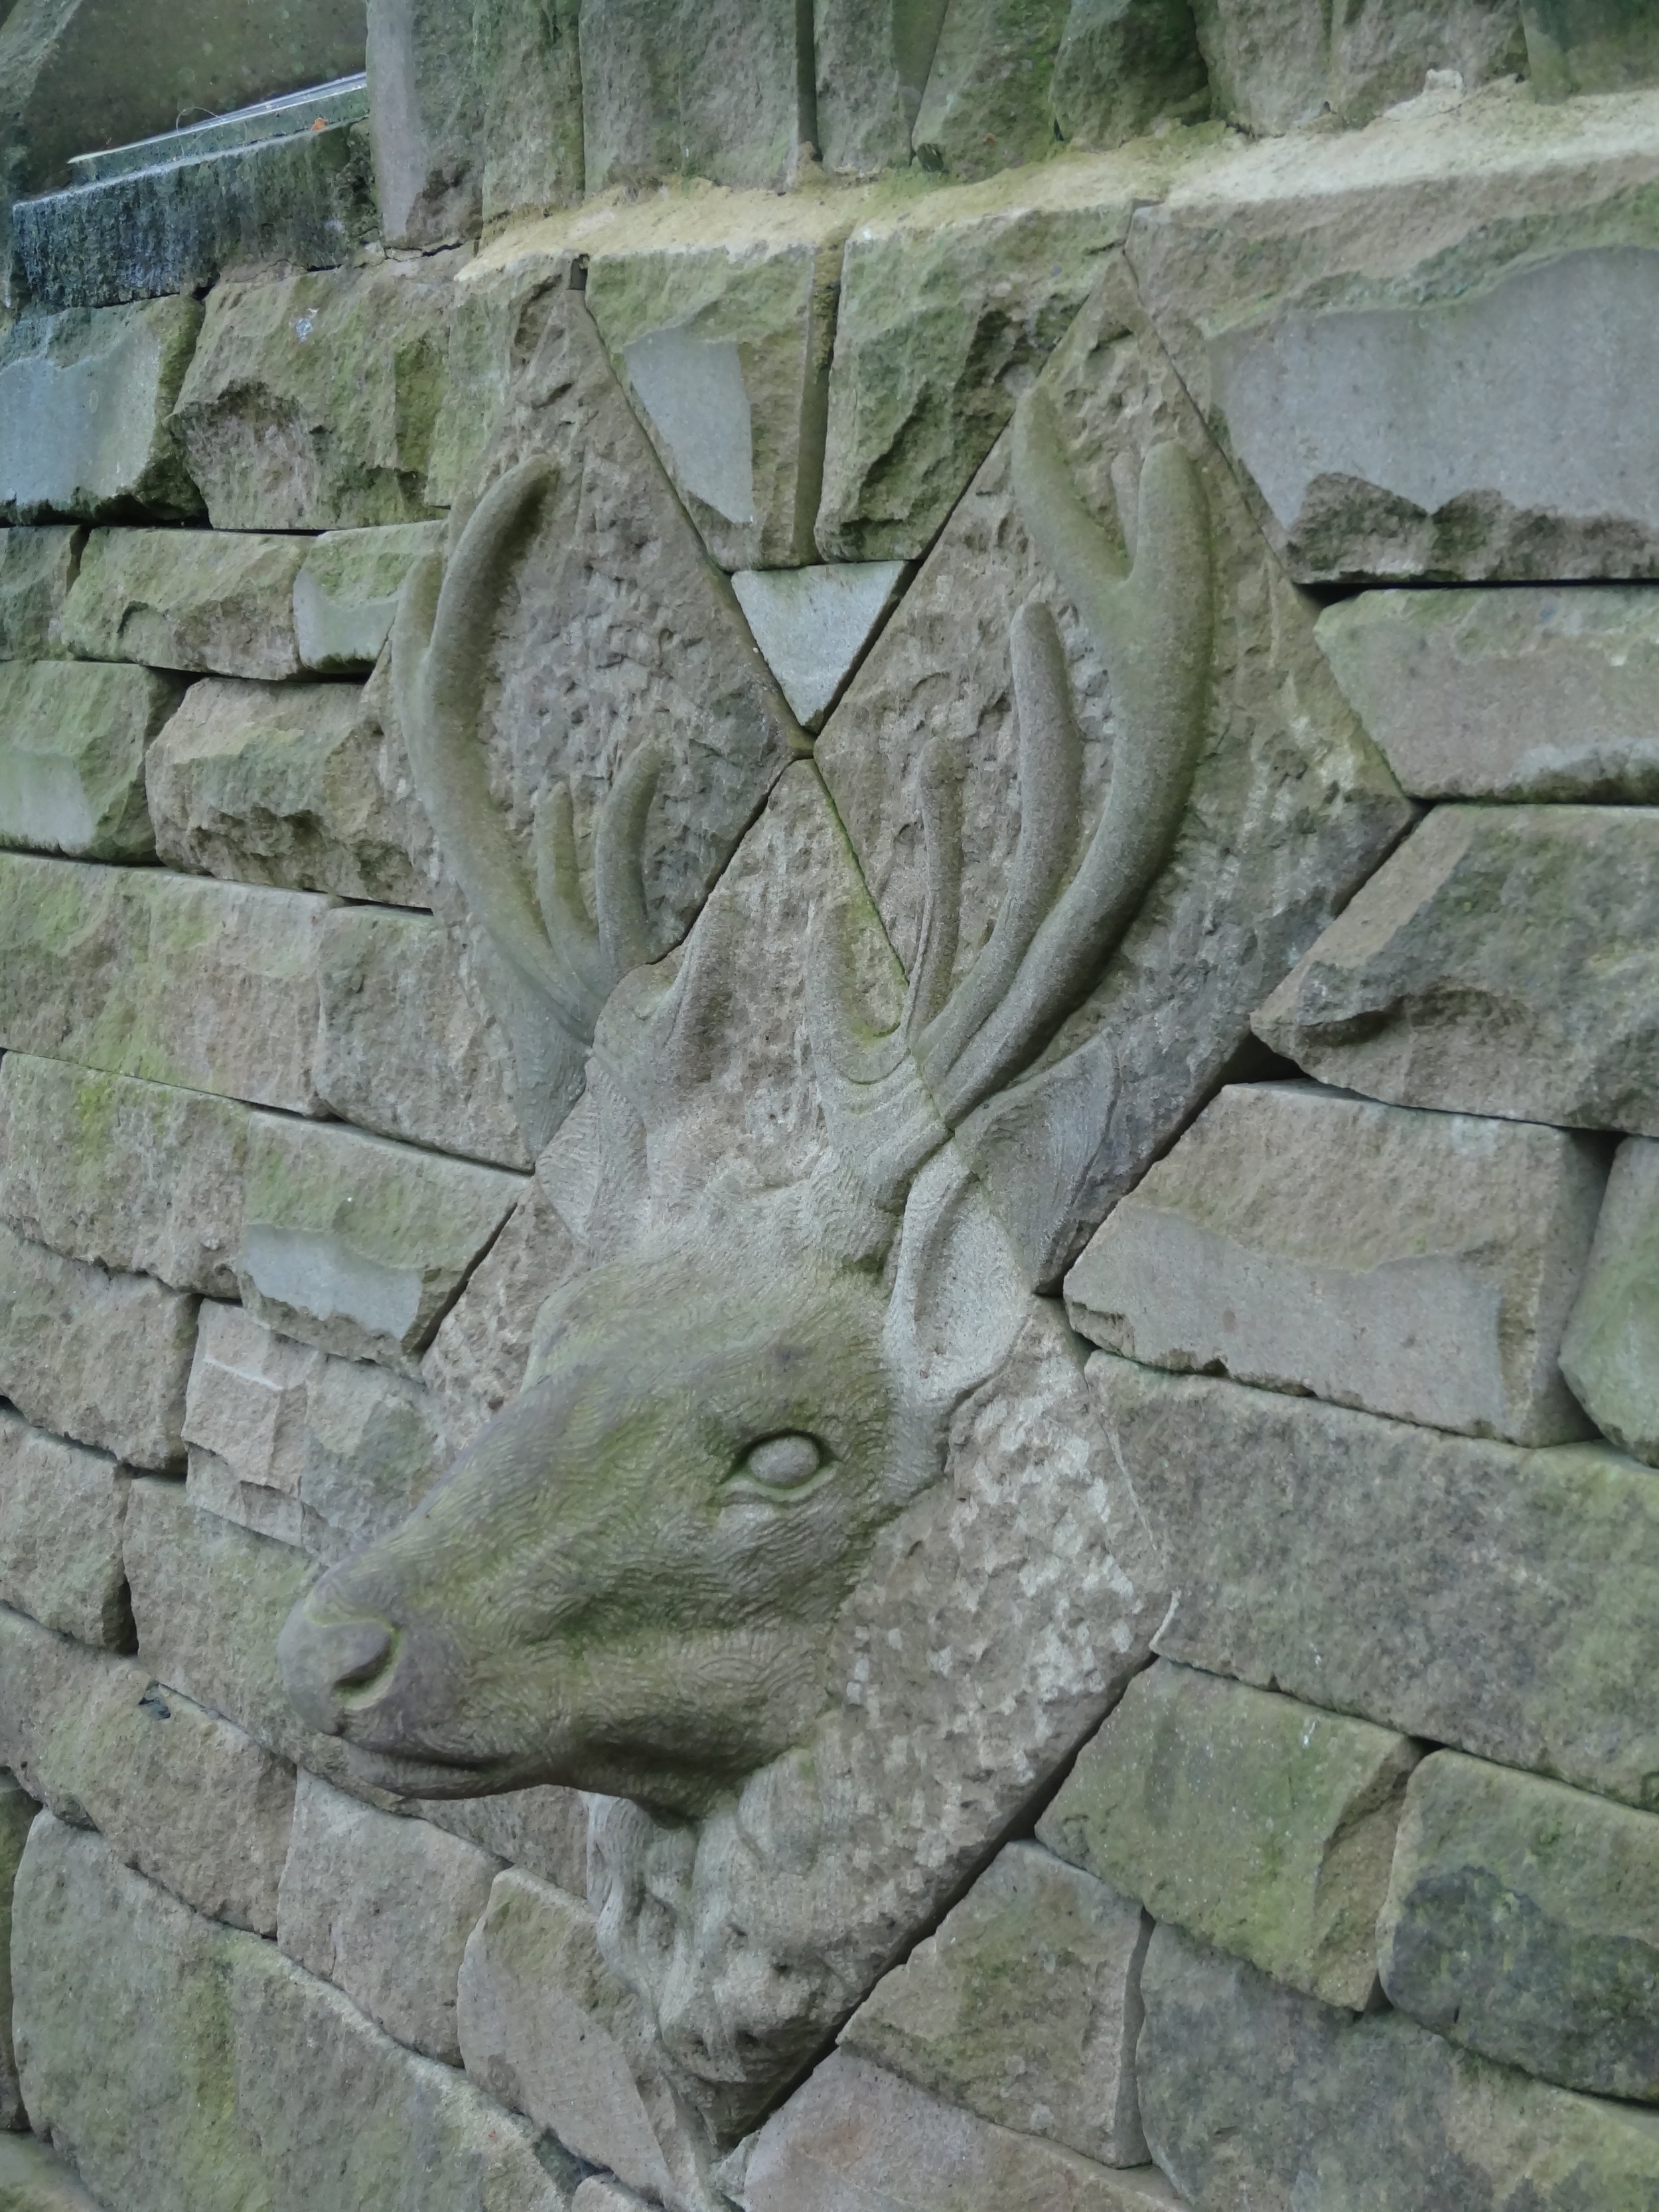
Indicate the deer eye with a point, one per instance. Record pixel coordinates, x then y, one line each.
780 1463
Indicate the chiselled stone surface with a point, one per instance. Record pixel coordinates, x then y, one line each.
1497 1600
210 986
1531 692
382 1907
872 61
530 103
424 121
184 2066
1275 63
690 88
37 568
1502 962
73 739
1610 1354
1024 2007
61 1509
1254 1821
1590 45
17 1812
346 594
1421 1265
1253 2095
987 98
33 2180
542 1831
1124 65
204 602
282 784
813 624
85 401
1520 1921
408 1048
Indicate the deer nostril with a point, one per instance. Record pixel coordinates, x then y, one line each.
360 1650
323 1661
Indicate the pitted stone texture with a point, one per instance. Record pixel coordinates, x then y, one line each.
33 2180
813 624
1255 1822
210 986
176 1791
1275 63
1590 45
184 2066
85 401
37 568
73 739
311 401
1521 1922
1610 1354
1502 962
1253 2095
61 1509
346 594
1024 2007
358 1245
408 1048
987 102
542 1831
1500 1600
282 784
382 1908
17 1812
189 599
101 1357
1528 692
872 61
1419 1265
698 88
1123 65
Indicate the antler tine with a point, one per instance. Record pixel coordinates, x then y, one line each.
619 862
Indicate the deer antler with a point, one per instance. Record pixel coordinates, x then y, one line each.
892 1099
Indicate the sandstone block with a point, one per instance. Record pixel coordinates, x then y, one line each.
1499 962
85 404
211 986
1254 1821
1528 692
1521 1922
1608 1354
1497 1600
1420 1265
1276 65
1589 46
1254 2095
17 1812
73 737
358 1245
424 121
62 1510
602 2193
542 1832
187 599
346 594
697 89
987 101
282 784
812 625
524 53
871 62
33 2180
1123 65
37 568
408 1046
1024 2007
382 1908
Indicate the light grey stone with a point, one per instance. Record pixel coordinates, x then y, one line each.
1421 1265
989 100
1024 2006
1501 961
346 594
73 739
1253 2094
408 1047
1590 45
37 568
85 401
33 2180
382 1908
282 784
17 1812
61 1509
526 58
184 2066
1275 63
691 88
541 1831
1125 65
209 985
1497 1600
1610 1354
812 625
602 2193
1525 693
98 1356
219 604
871 60
424 121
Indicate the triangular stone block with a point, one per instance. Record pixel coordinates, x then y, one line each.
813 624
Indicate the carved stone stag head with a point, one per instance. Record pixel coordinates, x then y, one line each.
627 1581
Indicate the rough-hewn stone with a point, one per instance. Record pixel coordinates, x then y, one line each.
17 1812
692 88
73 739
1123 65
1024 2006
37 568
1610 1353
424 121
282 784
33 2180
212 604
525 53
812 625
987 102
1421 1265
61 1509
1502 962
542 1831
1497 1600
1524 693
1253 2095
1520 1921
346 594
85 401
1275 63
1590 45
871 60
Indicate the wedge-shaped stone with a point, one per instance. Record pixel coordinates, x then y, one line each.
1421 1265
1275 63
357 1245
1505 1601
699 87
1528 692
1610 1354
37 568
1024 2007
987 101
871 60
210 986
17 1812
1505 960
33 2180
73 739
282 784
1254 1821
1253 2095
346 594
1590 45
813 624
187 2067
382 1908
85 401
1522 1920
62 1510
189 599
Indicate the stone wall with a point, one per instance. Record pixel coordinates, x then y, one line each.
874 830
